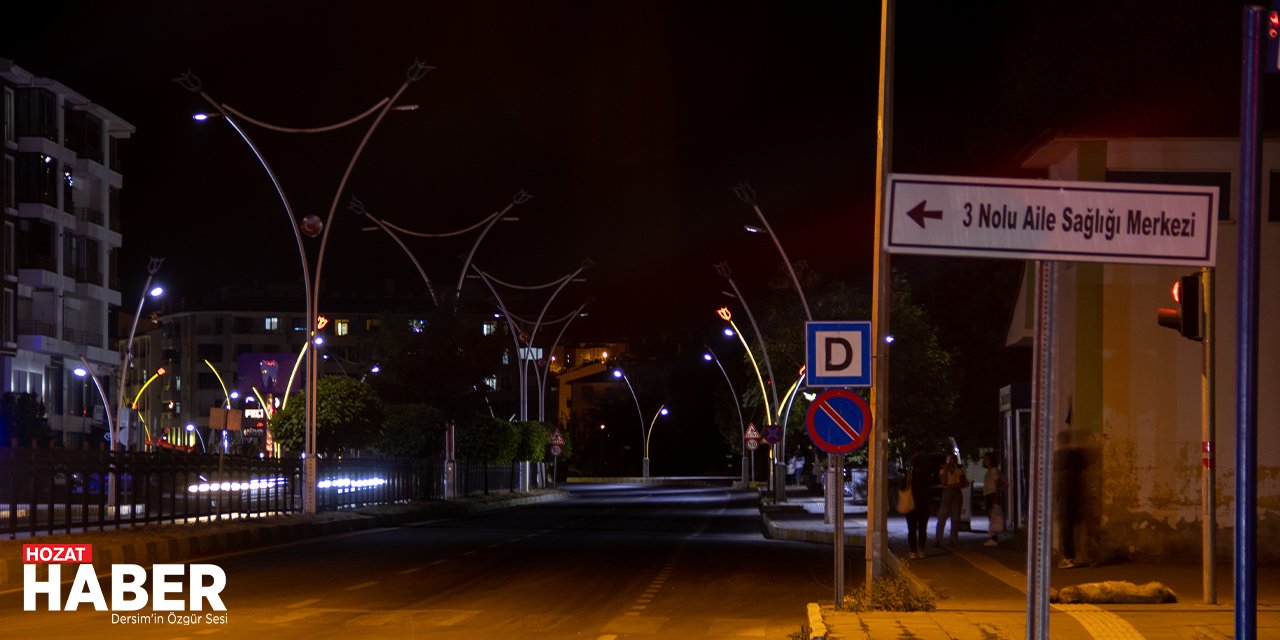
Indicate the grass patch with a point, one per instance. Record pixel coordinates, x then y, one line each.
802 634
891 592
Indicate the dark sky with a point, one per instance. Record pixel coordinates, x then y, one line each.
627 121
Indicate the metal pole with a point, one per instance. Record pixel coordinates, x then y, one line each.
742 425
1208 519
877 514
1247 328
1040 529
835 477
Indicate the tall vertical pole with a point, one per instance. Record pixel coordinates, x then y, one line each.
1208 384
1247 328
1040 530
876 463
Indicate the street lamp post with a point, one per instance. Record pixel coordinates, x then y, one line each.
84 371
126 359
662 411
710 356
618 373
312 226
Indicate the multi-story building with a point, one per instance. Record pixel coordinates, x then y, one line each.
61 190
210 351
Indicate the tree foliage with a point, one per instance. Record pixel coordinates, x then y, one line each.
412 431
349 416
23 417
483 438
535 437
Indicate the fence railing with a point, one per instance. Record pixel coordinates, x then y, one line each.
46 491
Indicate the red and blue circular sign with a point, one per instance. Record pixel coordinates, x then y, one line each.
772 433
839 421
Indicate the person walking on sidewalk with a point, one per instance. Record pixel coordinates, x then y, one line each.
953 480
992 491
918 518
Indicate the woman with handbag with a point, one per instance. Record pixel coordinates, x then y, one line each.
915 490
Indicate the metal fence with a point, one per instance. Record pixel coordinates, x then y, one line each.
46 491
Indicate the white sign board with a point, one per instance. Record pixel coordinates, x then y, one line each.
1052 220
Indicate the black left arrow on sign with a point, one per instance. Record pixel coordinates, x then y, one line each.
918 213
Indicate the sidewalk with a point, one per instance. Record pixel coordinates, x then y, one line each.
981 591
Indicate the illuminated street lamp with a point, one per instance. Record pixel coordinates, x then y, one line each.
662 411
710 356
127 357
618 373
87 370
312 226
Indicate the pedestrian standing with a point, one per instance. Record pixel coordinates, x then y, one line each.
993 484
953 483
919 481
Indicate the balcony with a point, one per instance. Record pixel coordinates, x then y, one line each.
88 338
38 261
88 276
114 220
37 328
90 215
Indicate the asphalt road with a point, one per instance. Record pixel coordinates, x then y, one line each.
610 562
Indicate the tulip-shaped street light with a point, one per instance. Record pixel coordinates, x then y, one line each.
127 357
618 373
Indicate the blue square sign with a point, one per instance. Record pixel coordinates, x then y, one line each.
838 354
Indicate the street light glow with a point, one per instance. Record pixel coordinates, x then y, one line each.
200 117
752 228
664 411
319 340
707 357
728 332
80 372
156 291
191 427
617 373
235 395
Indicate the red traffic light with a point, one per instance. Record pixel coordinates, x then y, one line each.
1188 318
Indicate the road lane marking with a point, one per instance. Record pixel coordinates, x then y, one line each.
436 562
302 603
362 585
408 571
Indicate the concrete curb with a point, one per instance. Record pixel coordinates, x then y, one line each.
817 627
162 547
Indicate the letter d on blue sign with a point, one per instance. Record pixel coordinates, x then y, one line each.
838 354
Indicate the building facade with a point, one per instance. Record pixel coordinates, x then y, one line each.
61 200
1127 392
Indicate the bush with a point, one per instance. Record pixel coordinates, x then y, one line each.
487 439
412 431
535 437
891 592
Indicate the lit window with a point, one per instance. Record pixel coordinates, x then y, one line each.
417 326
372 323
341 327
490 328
271 324
491 382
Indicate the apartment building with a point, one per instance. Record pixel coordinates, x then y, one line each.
61 201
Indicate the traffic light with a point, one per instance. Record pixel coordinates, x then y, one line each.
1188 318
1272 34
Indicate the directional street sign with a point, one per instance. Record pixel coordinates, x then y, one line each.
839 421
838 354
1052 220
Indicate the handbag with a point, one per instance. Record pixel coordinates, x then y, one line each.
996 517
906 501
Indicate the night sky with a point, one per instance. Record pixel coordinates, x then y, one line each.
629 122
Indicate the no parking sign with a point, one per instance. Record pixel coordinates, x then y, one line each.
839 421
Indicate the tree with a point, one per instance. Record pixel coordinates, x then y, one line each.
483 438
349 415
535 437
412 431
23 417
